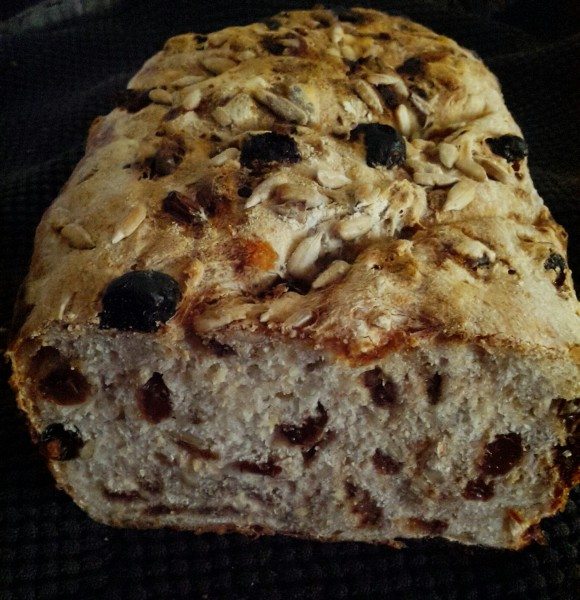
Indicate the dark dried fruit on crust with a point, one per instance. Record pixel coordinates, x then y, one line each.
556 262
133 100
268 468
412 66
390 96
309 432
511 147
154 399
478 489
502 455
384 145
362 504
183 208
167 158
64 386
382 388
429 527
220 349
264 148
385 464
434 385
59 443
139 301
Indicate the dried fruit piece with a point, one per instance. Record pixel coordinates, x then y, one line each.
268 468
390 96
556 263
183 208
411 67
309 432
384 144
139 301
167 158
369 513
133 100
383 389
385 464
478 489
434 386
154 399
511 147
58 443
429 527
502 455
266 148
64 386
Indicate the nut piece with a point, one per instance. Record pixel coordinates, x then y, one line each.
368 95
192 100
282 107
223 157
448 154
331 179
305 255
354 226
218 64
335 271
77 237
460 195
130 223
160 96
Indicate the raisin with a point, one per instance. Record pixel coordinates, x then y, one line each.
64 386
511 147
139 301
265 148
384 145
362 504
382 388
501 455
434 388
389 95
412 66
268 468
385 464
309 432
154 399
478 489
430 527
167 158
183 208
133 100
556 263
58 443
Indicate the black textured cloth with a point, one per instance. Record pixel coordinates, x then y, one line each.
53 81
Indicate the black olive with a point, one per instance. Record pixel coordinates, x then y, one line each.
384 145
58 443
557 263
133 100
267 148
511 147
139 301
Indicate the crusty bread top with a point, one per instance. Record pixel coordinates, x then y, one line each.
410 253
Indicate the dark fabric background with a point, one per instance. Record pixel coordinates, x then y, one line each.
53 82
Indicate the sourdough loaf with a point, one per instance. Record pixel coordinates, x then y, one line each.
301 282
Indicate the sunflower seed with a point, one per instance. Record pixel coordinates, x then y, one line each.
460 195
336 34
281 107
495 170
334 272
300 193
221 315
368 95
354 226
384 79
247 55
299 319
406 120
192 99
263 190
217 64
160 96
348 52
434 178
187 81
471 168
59 217
305 255
77 236
221 116
223 157
130 223
421 104
448 154
331 179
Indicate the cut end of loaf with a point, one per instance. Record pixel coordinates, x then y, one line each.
261 436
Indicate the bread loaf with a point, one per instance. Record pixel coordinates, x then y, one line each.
301 283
